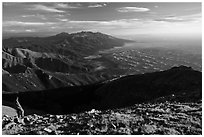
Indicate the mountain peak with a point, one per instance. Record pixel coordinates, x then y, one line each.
182 67
63 34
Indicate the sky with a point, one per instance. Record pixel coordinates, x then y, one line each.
117 19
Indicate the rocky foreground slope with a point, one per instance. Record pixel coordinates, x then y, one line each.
164 118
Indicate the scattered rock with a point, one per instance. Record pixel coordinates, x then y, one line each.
47 130
73 117
138 119
149 129
171 131
93 111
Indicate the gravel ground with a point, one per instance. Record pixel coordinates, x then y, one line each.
167 118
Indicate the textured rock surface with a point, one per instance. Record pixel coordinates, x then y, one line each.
149 118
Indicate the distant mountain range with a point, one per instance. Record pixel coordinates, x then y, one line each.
75 44
37 63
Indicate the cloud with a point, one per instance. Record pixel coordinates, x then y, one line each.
174 18
132 9
188 24
83 21
97 5
45 8
59 15
20 23
136 26
62 19
103 22
26 16
171 19
9 30
35 15
66 6
19 30
30 30
102 25
186 18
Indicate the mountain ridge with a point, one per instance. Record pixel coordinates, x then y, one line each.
182 81
56 41
23 57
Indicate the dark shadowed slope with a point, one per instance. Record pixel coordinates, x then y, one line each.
125 91
145 87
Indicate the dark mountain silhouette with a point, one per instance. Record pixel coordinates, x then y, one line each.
182 82
146 87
